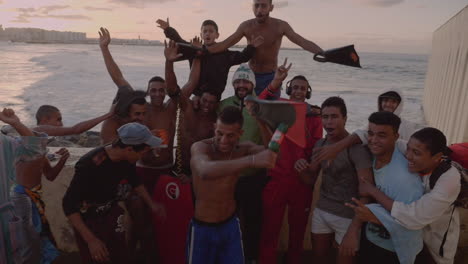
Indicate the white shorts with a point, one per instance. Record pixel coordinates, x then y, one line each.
326 223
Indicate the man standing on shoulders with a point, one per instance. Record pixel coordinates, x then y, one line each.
215 235
265 60
91 199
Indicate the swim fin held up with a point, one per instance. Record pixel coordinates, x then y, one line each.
345 55
289 113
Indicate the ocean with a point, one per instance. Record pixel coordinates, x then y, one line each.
74 79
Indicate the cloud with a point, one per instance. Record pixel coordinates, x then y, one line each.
139 3
20 19
47 9
68 17
91 8
43 12
199 11
379 3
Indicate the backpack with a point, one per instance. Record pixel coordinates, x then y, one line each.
462 199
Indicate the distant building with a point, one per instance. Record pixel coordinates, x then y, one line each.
37 35
41 35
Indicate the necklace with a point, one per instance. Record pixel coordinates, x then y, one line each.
214 149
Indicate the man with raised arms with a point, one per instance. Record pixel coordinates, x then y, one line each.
12 152
195 124
159 117
156 115
28 189
214 235
265 59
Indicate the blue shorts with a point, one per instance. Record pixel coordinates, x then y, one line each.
215 243
262 81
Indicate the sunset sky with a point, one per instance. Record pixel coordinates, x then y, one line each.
404 26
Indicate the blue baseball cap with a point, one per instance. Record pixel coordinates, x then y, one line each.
136 134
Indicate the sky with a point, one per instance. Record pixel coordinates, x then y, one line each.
402 26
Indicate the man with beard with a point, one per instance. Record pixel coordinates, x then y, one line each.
249 189
265 60
195 124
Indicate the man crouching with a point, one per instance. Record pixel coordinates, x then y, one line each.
91 199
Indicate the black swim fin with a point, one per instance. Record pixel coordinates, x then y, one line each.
345 55
277 112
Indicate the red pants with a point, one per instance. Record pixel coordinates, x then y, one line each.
276 195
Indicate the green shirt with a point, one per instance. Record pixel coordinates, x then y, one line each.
250 127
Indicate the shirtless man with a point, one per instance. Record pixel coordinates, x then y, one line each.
49 121
160 117
196 124
215 235
265 60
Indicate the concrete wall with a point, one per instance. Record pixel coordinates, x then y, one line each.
446 89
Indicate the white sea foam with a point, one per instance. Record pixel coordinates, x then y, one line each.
74 78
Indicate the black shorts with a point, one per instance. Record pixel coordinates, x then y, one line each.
370 253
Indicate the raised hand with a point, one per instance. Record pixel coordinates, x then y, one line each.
104 37
197 42
256 41
163 24
8 116
170 51
64 154
282 71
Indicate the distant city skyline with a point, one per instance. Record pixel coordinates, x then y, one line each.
403 26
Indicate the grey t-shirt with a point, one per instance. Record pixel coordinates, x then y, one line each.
340 181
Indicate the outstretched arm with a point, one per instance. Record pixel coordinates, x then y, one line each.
229 42
171 54
194 77
203 166
170 32
112 68
329 152
301 41
8 116
73 130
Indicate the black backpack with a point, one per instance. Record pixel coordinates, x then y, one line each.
462 199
